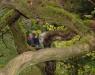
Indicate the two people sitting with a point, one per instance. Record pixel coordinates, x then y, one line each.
33 40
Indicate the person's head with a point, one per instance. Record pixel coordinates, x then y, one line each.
33 34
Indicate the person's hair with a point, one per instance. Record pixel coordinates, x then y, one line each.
33 34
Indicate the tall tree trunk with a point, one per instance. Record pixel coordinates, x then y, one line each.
16 26
20 37
74 70
43 55
50 67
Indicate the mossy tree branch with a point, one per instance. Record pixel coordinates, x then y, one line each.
42 55
44 10
19 35
50 11
51 36
8 18
11 18
92 1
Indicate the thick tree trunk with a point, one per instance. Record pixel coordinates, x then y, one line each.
41 9
49 37
43 55
20 38
10 19
32 9
50 67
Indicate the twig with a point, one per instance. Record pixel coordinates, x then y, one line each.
4 41
92 2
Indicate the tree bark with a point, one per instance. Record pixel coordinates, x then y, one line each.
20 37
11 19
50 67
8 18
92 1
50 36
